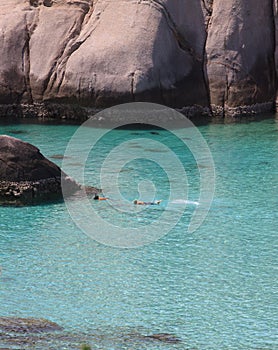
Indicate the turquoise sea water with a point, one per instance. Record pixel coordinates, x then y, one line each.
215 288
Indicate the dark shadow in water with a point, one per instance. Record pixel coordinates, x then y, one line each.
59 156
19 203
45 121
17 132
197 121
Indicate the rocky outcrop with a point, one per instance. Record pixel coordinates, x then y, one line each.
27 177
84 55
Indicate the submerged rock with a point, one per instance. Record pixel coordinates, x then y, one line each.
163 337
26 176
27 325
43 334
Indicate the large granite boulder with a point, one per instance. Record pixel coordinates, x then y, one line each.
275 9
136 51
69 58
26 176
240 53
100 53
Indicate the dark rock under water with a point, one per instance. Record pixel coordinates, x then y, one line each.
27 333
27 325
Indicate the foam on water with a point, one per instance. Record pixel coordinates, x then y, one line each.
184 201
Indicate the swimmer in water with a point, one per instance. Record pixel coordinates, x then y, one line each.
137 202
98 198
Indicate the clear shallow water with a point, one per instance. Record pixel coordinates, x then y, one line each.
215 288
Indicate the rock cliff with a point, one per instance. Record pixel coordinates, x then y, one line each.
67 58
